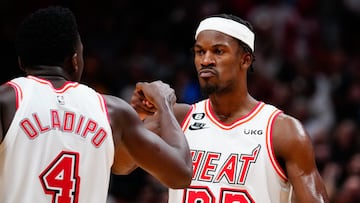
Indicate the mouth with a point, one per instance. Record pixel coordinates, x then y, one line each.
206 73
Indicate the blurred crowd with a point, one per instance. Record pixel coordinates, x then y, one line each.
307 64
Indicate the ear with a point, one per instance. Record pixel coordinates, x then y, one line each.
246 60
74 62
21 65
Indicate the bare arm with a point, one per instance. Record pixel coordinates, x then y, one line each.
166 157
7 108
144 109
181 110
293 146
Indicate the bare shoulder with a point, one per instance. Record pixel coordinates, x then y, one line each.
181 110
293 148
116 104
7 108
119 111
7 94
288 124
123 120
289 135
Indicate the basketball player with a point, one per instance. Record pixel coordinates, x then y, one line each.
243 150
59 139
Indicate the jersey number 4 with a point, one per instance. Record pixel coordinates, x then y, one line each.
61 180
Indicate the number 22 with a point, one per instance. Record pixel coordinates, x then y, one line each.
202 194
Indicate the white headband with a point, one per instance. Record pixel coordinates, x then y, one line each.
229 27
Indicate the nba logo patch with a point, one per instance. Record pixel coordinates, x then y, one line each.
60 99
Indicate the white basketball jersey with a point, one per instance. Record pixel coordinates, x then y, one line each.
232 163
59 147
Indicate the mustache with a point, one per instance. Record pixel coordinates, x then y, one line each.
207 67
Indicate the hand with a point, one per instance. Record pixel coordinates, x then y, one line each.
141 105
152 123
148 97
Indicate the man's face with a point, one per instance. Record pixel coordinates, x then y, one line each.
218 59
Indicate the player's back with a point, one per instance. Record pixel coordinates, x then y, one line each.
59 146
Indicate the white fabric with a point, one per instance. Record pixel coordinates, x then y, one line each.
232 162
229 27
54 149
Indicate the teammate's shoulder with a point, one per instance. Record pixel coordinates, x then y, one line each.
120 112
114 100
116 104
7 90
182 109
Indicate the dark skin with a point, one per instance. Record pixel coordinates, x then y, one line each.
222 64
165 156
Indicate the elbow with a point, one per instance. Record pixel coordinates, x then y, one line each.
123 171
180 183
182 180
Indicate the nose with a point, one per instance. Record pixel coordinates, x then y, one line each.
207 59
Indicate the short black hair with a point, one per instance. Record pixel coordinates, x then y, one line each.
239 20
47 37
241 43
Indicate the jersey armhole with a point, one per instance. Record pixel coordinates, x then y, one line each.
18 92
186 119
270 148
18 99
103 106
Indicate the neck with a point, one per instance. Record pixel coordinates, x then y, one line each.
50 77
48 72
54 74
230 108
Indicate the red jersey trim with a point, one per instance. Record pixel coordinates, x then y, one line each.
185 123
270 148
102 102
103 105
18 93
62 89
209 112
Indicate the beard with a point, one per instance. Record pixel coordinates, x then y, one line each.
208 89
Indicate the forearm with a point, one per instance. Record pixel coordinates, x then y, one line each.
171 132
311 189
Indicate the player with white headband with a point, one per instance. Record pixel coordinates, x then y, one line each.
229 27
234 27
243 150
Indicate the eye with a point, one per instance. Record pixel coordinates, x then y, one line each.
218 51
199 52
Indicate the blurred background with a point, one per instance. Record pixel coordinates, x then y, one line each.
307 64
